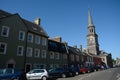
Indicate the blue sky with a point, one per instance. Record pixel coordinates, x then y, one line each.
69 19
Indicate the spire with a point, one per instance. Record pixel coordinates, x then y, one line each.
90 22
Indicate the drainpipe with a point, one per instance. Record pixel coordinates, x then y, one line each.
25 51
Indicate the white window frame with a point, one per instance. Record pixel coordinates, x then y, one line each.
29 54
20 51
43 54
38 54
57 55
28 39
52 55
37 39
7 34
64 56
44 41
5 49
23 37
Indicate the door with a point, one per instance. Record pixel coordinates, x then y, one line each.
28 67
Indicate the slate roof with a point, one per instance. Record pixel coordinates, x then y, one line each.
4 14
74 50
32 27
56 46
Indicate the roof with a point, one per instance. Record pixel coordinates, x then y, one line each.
90 21
73 50
56 46
32 27
4 14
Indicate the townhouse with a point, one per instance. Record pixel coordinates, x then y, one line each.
23 44
58 53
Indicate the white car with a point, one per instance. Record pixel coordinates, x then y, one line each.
37 74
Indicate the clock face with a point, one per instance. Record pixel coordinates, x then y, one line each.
91 40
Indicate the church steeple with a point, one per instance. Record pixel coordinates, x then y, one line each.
90 21
92 37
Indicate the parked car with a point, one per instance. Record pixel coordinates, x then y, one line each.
97 68
9 73
60 72
37 74
75 70
84 70
91 68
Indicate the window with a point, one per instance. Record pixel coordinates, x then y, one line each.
5 31
30 37
57 55
43 55
36 66
77 57
37 39
72 57
44 41
37 53
21 35
29 52
3 47
42 66
64 56
51 55
20 51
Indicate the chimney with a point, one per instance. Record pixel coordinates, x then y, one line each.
58 39
37 21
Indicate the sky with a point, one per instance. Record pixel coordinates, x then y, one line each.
69 19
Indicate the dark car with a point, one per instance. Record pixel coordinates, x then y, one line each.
97 68
75 70
60 72
9 73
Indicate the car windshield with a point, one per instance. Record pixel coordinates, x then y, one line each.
37 71
8 71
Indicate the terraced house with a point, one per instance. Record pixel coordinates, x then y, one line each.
23 44
58 53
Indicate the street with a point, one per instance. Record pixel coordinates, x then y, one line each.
109 74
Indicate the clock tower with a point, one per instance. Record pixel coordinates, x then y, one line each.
92 37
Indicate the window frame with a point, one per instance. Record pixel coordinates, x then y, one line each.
36 41
30 54
23 37
2 32
57 55
31 40
43 54
52 55
5 48
37 53
21 51
44 41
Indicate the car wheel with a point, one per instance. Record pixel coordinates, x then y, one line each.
76 73
44 78
83 72
88 71
63 76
